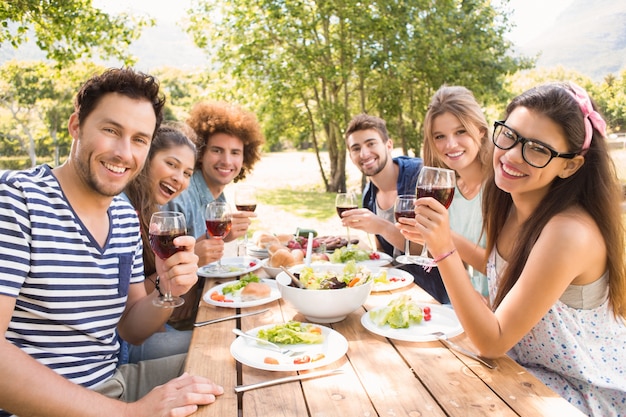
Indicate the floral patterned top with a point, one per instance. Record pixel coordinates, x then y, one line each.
579 353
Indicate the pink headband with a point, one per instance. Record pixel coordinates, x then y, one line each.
591 116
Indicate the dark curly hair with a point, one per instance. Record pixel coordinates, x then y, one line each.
125 81
210 117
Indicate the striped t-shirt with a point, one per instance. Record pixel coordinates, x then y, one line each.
70 293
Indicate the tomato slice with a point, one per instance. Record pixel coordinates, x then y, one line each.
302 359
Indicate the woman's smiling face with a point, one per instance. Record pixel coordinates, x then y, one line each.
512 173
170 172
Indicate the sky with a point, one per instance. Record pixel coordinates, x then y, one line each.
531 17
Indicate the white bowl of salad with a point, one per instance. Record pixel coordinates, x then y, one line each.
331 291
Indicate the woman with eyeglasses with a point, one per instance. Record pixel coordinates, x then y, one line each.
555 250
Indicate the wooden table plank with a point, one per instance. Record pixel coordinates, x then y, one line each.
381 377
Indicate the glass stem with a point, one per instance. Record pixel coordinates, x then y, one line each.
407 246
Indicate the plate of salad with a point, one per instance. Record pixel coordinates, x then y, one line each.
404 319
317 346
229 294
389 279
360 256
235 266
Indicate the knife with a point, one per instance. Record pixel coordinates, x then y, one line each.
453 346
251 313
242 388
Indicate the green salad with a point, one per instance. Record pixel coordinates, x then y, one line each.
292 333
400 313
345 254
236 287
352 275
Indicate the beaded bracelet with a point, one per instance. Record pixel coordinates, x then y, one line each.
444 256
157 281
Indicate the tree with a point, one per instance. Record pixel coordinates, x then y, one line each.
38 97
69 29
318 62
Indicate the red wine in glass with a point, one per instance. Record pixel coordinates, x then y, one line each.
404 213
442 194
218 228
163 243
345 208
246 207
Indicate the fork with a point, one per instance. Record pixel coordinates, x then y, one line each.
268 345
453 346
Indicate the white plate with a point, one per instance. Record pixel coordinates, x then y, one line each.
270 270
248 352
255 251
384 260
235 302
443 320
404 279
238 265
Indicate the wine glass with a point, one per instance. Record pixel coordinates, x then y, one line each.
165 226
218 219
405 207
245 200
437 183
344 202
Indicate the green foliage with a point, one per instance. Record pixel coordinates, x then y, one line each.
70 29
318 63
35 105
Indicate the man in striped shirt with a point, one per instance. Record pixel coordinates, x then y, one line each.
71 279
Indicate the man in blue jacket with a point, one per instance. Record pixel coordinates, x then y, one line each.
370 147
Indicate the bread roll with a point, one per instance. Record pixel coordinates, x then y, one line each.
298 255
282 257
255 291
273 248
267 240
284 238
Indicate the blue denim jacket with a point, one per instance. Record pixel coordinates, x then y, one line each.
192 203
407 180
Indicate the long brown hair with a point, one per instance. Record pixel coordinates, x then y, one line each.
594 187
460 102
139 191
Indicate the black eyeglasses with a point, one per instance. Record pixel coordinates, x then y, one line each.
534 152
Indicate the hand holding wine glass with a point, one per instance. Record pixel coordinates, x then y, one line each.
439 184
345 202
165 226
405 207
218 218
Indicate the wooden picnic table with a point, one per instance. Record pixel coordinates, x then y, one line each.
381 377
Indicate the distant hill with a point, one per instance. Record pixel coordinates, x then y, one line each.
589 37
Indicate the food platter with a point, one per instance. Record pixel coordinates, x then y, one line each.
443 319
250 353
236 302
235 266
397 279
383 259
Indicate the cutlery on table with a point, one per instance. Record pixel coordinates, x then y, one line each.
251 313
453 346
294 279
267 344
242 388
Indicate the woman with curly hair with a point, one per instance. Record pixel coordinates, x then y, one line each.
229 141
